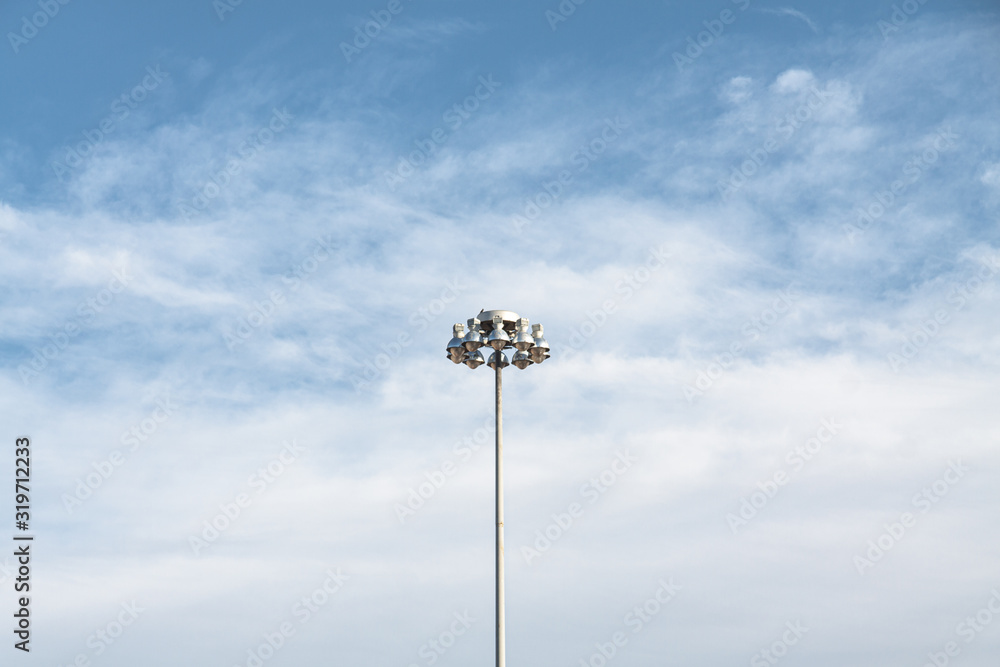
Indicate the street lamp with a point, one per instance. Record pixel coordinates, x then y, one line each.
498 329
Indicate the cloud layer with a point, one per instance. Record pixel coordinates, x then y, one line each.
768 279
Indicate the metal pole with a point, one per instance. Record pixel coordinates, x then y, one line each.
501 660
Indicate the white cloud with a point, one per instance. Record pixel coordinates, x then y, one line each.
991 175
792 81
737 90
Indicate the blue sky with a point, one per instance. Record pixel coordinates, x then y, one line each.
762 240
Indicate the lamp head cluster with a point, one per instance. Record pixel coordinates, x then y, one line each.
498 329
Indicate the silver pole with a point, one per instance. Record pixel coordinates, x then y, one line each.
501 660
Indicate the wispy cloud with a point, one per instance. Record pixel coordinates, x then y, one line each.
789 11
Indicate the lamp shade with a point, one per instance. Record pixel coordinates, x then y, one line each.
473 340
474 359
540 349
522 359
456 349
523 339
498 338
496 358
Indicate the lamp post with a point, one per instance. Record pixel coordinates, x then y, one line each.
498 329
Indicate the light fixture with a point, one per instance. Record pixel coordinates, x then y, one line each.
499 329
